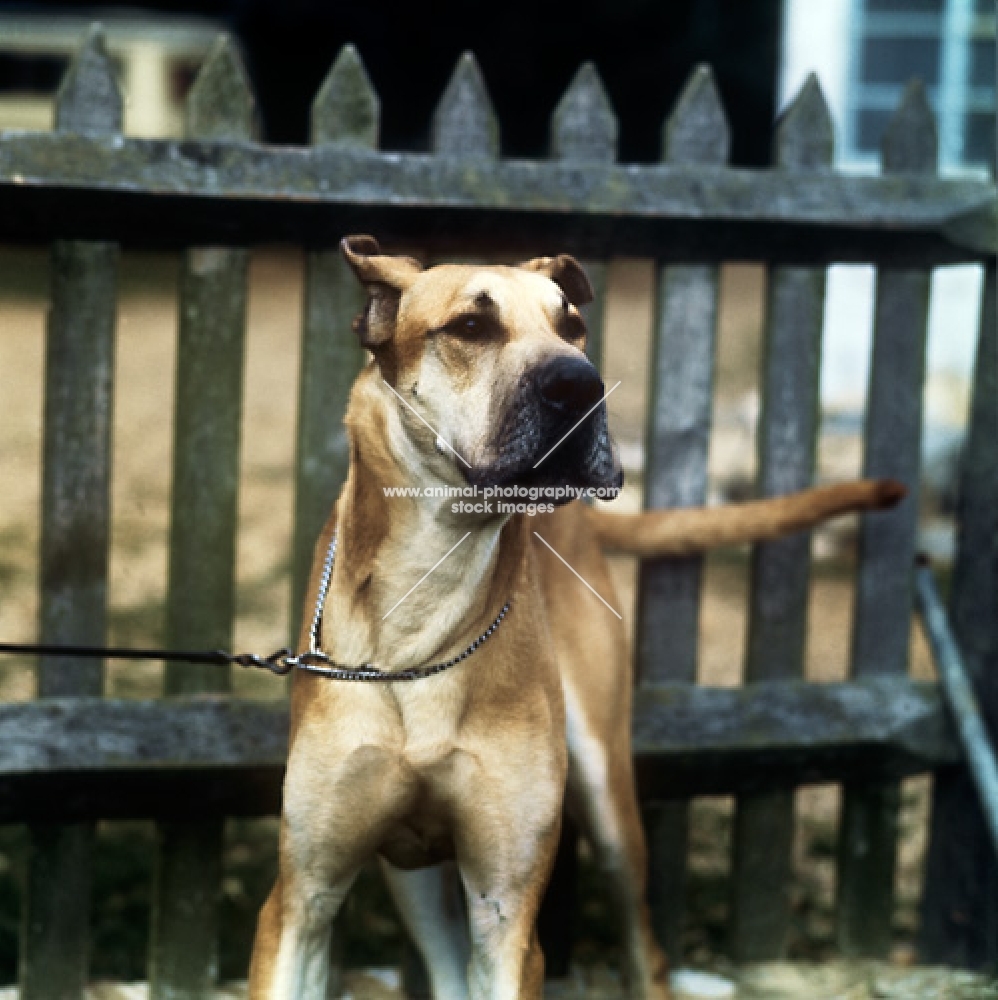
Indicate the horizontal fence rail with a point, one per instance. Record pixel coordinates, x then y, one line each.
146 192
121 756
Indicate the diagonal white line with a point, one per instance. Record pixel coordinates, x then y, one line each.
581 580
440 439
562 440
418 582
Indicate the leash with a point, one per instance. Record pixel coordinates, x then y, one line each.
280 662
275 663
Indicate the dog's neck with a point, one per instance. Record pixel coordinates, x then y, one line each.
380 608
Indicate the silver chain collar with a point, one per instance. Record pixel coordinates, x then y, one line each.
315 661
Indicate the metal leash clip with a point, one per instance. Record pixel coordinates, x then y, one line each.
280 662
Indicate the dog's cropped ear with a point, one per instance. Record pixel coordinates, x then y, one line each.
566 272
385 277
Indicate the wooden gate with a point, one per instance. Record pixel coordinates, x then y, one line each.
72 757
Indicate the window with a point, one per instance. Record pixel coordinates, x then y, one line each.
950 46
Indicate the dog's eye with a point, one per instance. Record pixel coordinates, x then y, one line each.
472 326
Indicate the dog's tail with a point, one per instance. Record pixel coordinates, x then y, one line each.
683 531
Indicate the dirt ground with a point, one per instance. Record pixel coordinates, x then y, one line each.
772 981
142 461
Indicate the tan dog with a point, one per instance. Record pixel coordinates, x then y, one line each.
456 781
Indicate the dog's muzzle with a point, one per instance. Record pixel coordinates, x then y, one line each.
553 432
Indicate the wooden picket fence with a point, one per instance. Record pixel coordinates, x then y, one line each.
72 757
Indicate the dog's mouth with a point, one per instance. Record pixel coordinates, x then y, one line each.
553 439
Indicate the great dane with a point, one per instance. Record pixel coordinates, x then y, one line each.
513 689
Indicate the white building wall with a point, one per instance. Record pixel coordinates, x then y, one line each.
818 36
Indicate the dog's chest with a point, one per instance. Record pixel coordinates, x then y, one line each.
431 717
432 756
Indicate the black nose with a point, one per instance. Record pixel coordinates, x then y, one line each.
569 385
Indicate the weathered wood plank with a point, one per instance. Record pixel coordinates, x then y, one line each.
76 735
79 373
583 129
679 420
676 476
465 126
201 586
595 314
960 903
881 636
672 721
583 125
114 757
55 931
788 428
208 410
779 734
345 111
172 193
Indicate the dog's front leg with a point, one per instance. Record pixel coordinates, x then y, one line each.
506 957
334 817
291 950
506 850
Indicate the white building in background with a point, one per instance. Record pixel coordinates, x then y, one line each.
864 52
156 57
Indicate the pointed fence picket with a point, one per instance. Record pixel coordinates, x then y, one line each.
345 113
583 130
79 393
884 591
200 603
677 436
689 212
464 124
788 433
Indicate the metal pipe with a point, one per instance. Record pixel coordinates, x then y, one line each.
958 691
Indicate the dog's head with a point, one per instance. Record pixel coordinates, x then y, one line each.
493 359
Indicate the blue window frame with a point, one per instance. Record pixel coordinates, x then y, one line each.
950 45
